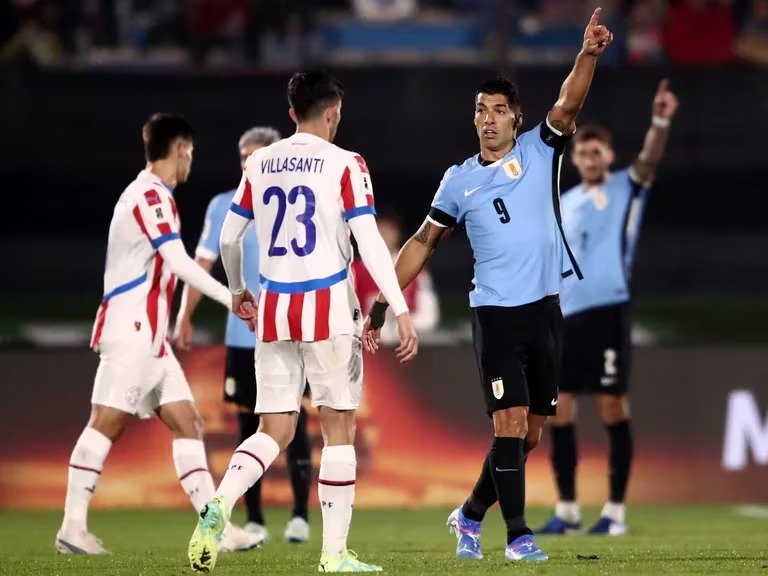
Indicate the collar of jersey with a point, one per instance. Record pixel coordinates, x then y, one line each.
154 176
498 162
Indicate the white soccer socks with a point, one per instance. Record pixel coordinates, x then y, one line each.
85 467
568 511
336 490
192 470
616 511
249 462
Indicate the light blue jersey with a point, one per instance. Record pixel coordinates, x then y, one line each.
601 225
512 216
238 335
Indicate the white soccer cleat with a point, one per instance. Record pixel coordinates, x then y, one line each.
258 529
80 542
297 531
236 539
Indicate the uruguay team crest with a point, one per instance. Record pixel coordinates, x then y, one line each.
513 169
497 384
599 198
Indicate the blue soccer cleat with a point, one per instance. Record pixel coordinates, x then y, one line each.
524 548
467 533
556 525
608 527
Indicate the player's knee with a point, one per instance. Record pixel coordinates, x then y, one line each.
511 422
108 421
613 408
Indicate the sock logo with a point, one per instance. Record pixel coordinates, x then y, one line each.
497 385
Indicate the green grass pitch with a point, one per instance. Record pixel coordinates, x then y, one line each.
664 540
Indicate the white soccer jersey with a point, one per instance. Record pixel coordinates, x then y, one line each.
301 192
138 285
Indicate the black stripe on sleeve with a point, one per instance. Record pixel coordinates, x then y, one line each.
556 205
552 139
442 218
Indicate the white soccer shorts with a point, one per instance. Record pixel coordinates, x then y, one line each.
130 378
333 368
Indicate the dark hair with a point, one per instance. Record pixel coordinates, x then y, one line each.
159 132
593 132
501 86
310 93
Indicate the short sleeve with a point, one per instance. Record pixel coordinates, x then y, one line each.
356 188
208 245
445 209
155 213
242 203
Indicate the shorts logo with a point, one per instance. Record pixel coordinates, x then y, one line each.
230 386
513 169
132 396
497 384
159 213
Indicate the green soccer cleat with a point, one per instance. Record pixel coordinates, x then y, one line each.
345 562
204 544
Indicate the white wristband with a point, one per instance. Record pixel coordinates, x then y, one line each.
660 122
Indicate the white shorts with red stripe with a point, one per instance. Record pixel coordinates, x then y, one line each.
132 379
333 368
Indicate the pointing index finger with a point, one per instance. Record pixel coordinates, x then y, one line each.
595 17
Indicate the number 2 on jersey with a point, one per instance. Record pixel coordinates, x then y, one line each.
305 219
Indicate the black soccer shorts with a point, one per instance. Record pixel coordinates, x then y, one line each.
518 353
597 351
240 377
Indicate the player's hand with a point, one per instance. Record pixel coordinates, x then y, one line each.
246 307
371 337
409 342
182 333
665 102
596 37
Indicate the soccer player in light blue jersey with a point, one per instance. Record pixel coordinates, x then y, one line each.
508 198
239 376
601 219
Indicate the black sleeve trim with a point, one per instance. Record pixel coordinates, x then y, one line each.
442 218
553 139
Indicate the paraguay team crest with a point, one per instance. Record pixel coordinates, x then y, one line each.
497 384
513 169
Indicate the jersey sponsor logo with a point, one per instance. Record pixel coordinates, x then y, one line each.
472 191
152 197
137 325
513 169
497 385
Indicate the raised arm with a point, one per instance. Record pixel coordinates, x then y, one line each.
663 110
573 93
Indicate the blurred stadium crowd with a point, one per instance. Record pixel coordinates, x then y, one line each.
280 33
